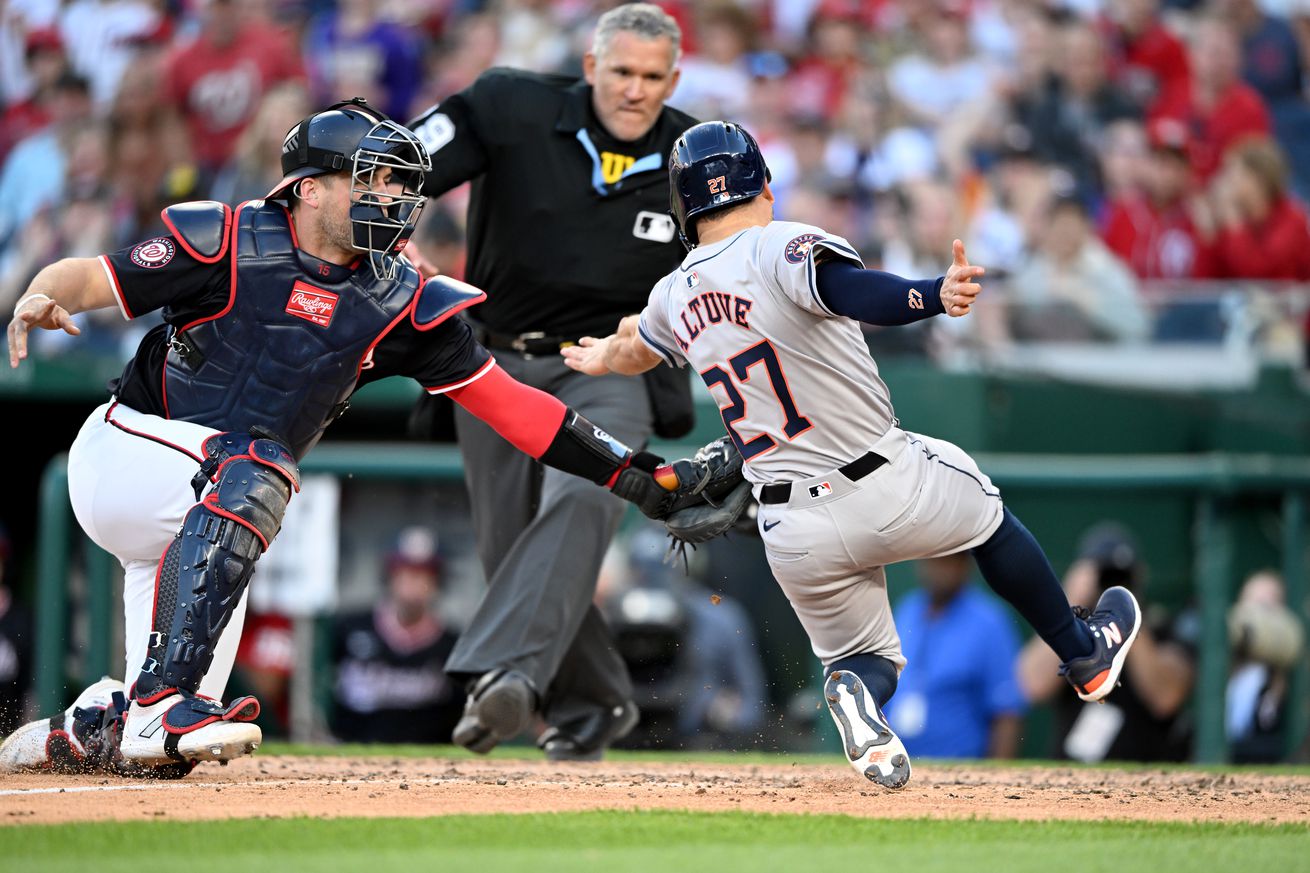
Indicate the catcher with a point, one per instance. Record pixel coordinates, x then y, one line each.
274 314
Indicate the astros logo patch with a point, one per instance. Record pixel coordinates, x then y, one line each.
312 304
153 253
798 248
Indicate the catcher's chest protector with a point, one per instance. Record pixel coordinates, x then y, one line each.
287 351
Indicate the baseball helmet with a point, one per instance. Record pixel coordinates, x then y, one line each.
713 165
354 137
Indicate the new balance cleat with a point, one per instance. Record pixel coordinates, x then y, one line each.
870 744
70 742
170 727
1114 625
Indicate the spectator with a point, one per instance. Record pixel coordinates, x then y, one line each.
958 696
45 63
216 79
1150 226
391 685
531 36
819 83
33 175
716 81
1148 62
353 51
102 36
1271 55
1074 288
1144 720
1218 109
692 654
945 77
1267 640
256 165
1068 117
15 647
1262 233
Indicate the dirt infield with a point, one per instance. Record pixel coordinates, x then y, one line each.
367 786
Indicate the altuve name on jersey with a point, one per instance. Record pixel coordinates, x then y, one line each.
707 309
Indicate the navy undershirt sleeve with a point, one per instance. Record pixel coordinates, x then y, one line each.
875 297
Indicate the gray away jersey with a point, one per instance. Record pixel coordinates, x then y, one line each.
795 384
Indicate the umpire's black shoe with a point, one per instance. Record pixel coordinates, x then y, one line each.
499 708
587 737
1114 625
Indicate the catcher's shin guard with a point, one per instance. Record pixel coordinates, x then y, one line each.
204 571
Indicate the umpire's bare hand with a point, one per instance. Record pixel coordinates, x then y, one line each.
36 310
960 288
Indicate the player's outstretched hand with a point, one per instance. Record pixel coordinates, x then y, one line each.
960 288
588 356
36 311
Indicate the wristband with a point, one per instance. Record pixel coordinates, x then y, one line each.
23 300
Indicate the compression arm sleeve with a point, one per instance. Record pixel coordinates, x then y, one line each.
877 298
526 417
541 426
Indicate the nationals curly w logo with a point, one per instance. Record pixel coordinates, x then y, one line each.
312 304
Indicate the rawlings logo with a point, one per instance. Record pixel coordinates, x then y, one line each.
799 247
312 304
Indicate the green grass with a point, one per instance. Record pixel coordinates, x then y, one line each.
659 842
530 753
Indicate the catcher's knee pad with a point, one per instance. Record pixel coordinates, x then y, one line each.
204 571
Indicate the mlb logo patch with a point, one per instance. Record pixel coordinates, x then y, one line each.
823 489
653 226
693 279
312 304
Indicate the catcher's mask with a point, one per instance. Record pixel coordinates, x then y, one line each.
355 137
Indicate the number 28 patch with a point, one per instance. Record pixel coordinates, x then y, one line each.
153 253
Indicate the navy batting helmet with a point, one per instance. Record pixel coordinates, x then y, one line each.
713 165
355 138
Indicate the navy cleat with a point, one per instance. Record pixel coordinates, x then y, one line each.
1114 625
870 744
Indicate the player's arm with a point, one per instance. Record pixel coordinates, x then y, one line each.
541 426
883 299
622 352
56 294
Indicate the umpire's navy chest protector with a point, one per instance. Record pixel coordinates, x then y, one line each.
287 350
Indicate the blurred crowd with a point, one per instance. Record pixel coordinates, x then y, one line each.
1083 149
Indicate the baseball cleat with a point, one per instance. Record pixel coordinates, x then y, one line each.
1114 625
870 744
65 743
498 708
172 727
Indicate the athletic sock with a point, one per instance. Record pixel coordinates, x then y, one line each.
877 673
1016 568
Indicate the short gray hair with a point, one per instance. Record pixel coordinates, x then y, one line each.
643 19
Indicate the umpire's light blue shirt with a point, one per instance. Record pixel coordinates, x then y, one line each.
960 674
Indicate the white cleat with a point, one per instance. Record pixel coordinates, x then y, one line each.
190 729
870 744
60 743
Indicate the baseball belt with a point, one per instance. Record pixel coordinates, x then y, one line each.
780 492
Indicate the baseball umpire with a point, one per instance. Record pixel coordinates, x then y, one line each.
766 311
568 228
274 313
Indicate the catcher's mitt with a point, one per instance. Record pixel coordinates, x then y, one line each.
704 521
707 477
